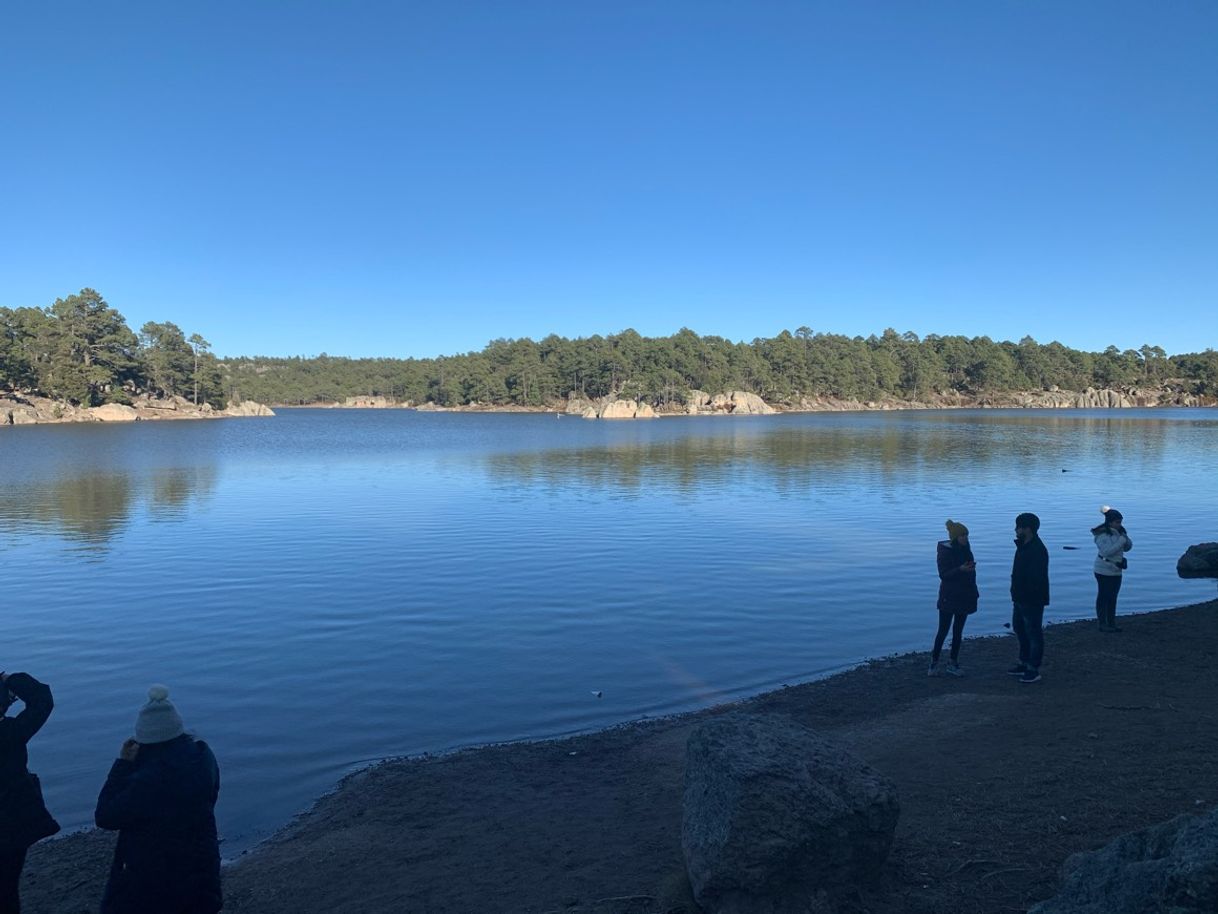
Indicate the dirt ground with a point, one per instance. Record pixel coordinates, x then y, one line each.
998 781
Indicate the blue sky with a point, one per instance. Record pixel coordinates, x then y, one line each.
396 178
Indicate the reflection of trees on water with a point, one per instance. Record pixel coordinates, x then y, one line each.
825 453
91 509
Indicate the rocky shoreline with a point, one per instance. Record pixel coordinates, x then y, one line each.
26 409
999 784
744 403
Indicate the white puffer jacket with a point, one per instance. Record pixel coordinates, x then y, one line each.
1111 546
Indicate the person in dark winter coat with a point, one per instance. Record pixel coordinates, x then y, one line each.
160 797
1029 597
957 594
1112 542
23 815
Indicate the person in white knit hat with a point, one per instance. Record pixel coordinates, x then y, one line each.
1112 542
161 798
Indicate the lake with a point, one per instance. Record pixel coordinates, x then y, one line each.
331 587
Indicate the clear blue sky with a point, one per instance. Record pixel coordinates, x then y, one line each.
397 178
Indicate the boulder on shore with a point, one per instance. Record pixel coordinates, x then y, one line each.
1170 868
1200 561
113 412
776 819
248 408
620 409
734 403
747 404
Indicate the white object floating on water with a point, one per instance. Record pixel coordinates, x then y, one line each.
598 693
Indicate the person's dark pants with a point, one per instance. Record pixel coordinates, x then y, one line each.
1106 597
946 620
1027 622
10 882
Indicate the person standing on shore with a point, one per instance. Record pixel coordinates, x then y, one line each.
957 594
161 797
24 818
1029 596
1112 542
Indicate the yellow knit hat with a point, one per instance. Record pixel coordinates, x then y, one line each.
955 530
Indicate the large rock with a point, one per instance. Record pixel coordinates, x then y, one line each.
747 404
370 402
626 409
1102 399
19 415
114 412
1170 868
1200 561
248 408
619 409
775 816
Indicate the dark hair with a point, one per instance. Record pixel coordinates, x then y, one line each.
1028 519
1112 514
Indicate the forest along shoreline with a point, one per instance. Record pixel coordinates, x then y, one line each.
999 782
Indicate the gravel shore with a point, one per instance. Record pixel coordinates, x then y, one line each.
999 783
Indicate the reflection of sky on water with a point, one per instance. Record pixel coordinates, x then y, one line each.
415 581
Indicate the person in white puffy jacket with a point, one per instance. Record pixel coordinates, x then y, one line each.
1112 542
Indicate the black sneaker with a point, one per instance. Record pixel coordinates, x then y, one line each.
1030 676
1017 670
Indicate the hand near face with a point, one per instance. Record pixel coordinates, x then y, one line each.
130 751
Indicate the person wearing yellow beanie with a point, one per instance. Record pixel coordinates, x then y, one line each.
957 594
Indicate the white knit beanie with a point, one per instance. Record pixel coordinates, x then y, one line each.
158 721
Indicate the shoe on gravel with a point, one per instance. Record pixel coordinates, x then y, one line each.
953 669
1030 676
1018 670
934 670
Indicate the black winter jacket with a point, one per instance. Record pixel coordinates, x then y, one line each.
23 815
1030 573
957 585
162 805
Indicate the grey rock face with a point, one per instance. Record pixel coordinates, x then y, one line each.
775 817
1171 868
1200 561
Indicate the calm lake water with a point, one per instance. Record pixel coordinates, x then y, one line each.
329 587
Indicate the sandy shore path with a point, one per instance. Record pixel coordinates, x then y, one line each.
999 782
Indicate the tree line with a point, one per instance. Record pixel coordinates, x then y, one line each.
79 349
662 370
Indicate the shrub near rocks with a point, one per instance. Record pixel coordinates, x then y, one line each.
776 818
